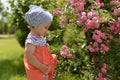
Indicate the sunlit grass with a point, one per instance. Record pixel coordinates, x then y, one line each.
18 78
11 60
10 47
67 76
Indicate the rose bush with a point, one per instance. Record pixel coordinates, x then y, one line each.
88 28
99 21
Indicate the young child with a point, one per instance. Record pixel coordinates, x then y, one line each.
39 62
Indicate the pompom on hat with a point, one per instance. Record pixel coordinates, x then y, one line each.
37 16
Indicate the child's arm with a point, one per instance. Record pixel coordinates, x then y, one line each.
29 50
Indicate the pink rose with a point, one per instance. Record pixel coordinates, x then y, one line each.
74 1
102 4
64 47
84 18
107 42
117 24
103 45
106 49
78 14
98 1
103 70
110 37
100 75
116 2
115 12
95 44
83 13
66 50
92 24
112 28
95 18
73 5
81 6
62 21
97 78
103 35
85 29
79 22
90 49
69 56
63 54
95 37
57 12
111 2
104 65
118 19
90 15
98 31
99 40
97 49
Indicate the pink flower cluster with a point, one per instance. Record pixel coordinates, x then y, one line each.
115 2
99 4
79 4
91 20
62 20
65 52
115 26
101 41
57 12
116 11
103 71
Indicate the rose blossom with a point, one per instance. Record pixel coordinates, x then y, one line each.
69 56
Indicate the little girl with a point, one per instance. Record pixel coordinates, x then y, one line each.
39 62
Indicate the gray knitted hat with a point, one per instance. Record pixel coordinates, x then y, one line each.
37 16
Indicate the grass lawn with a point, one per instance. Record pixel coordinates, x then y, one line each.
11 60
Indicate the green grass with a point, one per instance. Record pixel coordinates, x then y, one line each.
67 76
11 60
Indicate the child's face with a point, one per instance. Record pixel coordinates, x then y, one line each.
42 29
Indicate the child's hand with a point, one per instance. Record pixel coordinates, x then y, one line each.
44 68
46 78
41 6
54 56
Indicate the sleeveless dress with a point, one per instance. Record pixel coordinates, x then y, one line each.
43 55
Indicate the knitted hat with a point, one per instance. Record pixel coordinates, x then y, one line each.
37 16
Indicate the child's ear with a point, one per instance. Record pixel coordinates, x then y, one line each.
41 5
30 27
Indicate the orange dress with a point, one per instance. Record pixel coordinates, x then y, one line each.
44 56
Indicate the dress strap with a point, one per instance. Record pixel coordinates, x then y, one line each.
41 41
